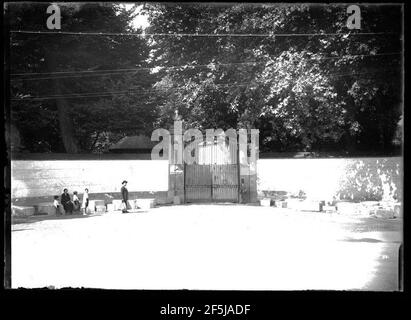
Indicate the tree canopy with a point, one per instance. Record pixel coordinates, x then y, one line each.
295 71
303 90
66 66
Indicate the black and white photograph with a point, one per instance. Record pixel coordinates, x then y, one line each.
204 146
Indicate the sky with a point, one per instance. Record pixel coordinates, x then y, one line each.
141 20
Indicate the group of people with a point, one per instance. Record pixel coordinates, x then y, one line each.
71 206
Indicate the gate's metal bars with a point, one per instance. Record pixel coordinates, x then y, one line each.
214 176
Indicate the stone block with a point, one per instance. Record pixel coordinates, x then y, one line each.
397 210
23 210
92 205
265 202
367 208
45 208
384 213
370 203
117 204
329 208
99 203
101 209
145 203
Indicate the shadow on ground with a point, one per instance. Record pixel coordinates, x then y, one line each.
37 218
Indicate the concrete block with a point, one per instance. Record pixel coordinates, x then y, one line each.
145 203
397 210
328 208
100 209
117 204
92 205
265 202
99 203
368 207
384 213
370 203
280 204
365 210
45 208
23 210
110 207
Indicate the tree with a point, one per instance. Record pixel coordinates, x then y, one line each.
306 92
68 123
370 179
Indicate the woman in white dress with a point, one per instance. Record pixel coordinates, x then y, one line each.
84 205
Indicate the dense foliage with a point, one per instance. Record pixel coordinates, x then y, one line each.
67 123
311 92
303 92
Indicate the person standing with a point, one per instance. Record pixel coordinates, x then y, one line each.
84 205
66 202
57 205
76 202
124 194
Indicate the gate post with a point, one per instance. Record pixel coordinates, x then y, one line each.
176 166
248 165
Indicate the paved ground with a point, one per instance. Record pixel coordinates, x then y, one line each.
228 247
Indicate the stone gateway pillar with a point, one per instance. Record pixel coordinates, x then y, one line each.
176 166
248 156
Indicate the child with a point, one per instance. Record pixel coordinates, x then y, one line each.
85 201
56 205
76 202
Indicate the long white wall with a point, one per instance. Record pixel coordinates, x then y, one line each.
318 178
47 178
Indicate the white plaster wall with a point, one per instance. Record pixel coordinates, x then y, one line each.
42 178
318 178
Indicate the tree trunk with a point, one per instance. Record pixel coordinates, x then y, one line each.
63 111
66 126
95 141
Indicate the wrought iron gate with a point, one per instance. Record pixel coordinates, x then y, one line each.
214 176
